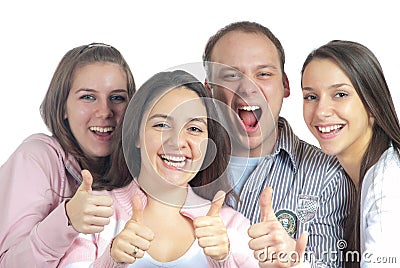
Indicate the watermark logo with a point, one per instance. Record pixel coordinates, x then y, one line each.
329 255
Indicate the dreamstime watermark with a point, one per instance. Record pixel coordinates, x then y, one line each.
330 255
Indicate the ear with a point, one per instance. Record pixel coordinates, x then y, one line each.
371 119
286 86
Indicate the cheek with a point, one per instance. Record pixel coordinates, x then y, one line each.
78 110
308 112
150 143
272 95
199 147
223 94
118 112
308 116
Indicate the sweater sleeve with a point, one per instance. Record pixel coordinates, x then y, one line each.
34 229
106 261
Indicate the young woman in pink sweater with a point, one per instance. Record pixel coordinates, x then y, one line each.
172 148
43 209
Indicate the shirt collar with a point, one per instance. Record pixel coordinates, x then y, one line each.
287 142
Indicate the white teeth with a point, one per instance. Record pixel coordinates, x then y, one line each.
249 107
102 129
175 161
174 158
178 165
329 129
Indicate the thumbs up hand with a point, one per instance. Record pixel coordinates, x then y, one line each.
88 213
211 232
301 245
271 243
134 239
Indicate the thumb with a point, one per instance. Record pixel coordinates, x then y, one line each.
216 204
87 181
301 245
267 212
137 209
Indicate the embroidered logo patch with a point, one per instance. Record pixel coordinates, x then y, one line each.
307 207
288 220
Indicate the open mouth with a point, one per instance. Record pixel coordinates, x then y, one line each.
102 130
250 115
174 161
330 129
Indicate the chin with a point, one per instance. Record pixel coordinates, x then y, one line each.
329 150
101 155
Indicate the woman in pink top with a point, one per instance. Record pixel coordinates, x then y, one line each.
43 209
174 146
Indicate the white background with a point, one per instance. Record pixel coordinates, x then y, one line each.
156 35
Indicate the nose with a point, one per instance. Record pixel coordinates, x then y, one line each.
176 139
247 86
104 109
324 108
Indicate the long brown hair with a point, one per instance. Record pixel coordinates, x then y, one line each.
53 106
366 75
126 159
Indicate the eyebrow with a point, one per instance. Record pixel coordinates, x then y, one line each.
198 119
158 115
268 66
262 66
334 86
93 90
164 116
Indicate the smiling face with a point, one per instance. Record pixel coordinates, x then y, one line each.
173 137
250 83
96 102
333 111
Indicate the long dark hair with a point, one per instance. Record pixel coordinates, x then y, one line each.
366 75
122 172
53 106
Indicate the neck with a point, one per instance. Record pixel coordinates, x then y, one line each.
352 168
351 162
352 157
162 191
266 147
155 206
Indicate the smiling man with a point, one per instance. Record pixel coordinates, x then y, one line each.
244 62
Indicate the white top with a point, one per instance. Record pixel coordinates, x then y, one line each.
380 213
194 257
239 169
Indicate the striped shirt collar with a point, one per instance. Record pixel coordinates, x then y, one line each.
287 142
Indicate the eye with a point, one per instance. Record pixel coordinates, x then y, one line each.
232 76
195 129
87 97
161 125
309 97
264 74
341 94
117 98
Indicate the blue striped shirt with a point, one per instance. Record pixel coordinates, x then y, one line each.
311 192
